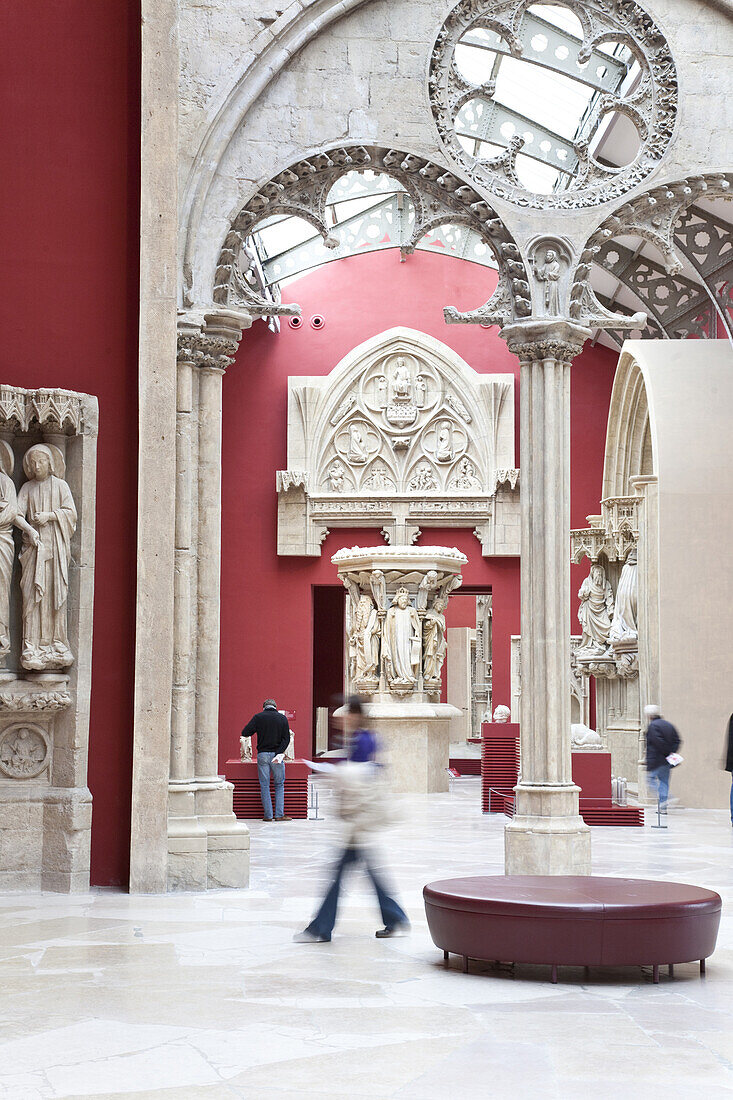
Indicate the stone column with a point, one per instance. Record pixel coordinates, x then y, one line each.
227 838
547 834
187 836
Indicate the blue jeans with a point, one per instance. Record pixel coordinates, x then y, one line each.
324 920
731 798
264 765
660 779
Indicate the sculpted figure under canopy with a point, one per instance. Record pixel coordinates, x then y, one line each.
8 514
434 645
596 609
401 643
46 503
625 625
364 640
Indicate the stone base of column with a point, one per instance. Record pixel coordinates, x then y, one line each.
227 838
547 835
415 740
187 841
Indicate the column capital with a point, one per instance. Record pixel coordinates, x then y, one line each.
210 343
533 341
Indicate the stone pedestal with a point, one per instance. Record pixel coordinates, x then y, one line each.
415 742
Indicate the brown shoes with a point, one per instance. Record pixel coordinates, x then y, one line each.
282 819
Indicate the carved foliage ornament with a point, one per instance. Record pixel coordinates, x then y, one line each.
651 103
438 196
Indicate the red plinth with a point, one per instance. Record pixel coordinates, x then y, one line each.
499 766
592 773
247 803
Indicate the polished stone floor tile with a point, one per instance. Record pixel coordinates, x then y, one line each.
206 997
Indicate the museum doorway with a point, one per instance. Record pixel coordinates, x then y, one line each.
329 612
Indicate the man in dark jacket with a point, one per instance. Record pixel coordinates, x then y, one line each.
662 739
273 738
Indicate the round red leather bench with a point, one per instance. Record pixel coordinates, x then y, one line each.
573 920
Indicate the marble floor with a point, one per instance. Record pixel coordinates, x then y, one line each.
206 997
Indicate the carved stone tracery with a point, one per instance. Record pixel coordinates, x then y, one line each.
652 105
388 433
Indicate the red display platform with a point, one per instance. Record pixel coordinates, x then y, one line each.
499 766
592 773
466 765
247 803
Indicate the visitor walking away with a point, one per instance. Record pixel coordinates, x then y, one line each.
273 737
662 743
729 762
364 808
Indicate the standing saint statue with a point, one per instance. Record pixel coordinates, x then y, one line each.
549 274
625 624
46 503
8 513
364 641
434 644
595 611
401 642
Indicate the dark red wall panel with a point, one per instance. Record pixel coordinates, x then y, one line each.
69 229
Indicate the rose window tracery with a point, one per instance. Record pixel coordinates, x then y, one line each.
524 95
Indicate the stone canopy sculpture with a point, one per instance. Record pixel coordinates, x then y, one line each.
46 505
396 630
595 611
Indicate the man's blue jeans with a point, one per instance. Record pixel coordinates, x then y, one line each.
324 920
264 765
660 778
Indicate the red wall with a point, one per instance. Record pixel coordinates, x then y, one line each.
69 230
266 644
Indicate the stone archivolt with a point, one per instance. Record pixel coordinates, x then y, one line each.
389 432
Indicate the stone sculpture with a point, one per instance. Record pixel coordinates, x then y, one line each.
336 474
595 611
401 381
423 479
364 641
444 444
8 513
434 644
425 587
583 737
465 479
378 586
420 391
624 627
382 391
46 504
357 445
549 274
501 714
402 642
379 478
23 752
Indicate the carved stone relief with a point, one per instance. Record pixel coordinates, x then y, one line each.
388 434
47 477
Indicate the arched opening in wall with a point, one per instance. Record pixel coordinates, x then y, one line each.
365 211
629 439
549 105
